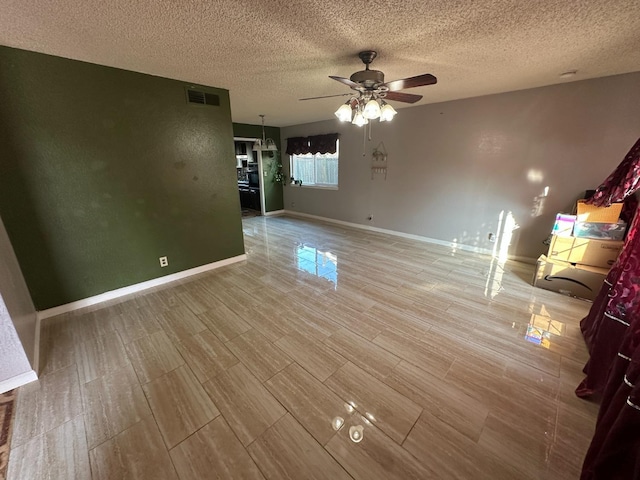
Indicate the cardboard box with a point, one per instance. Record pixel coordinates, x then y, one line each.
563 225
600 231
580 281
584 251
589 213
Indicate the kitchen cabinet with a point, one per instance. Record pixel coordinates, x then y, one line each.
250 198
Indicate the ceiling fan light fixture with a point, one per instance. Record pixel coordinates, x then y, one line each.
344 112
371 109
387 112
359 119
367 102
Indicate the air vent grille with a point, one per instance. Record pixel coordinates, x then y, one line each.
202 98
196 97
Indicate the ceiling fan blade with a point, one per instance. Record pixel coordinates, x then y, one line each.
411 82
402 97
326 96
346 81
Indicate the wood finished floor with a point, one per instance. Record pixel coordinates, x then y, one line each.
249 370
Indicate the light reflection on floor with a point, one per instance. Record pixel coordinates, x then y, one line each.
542 329
494 278
356 430
317 262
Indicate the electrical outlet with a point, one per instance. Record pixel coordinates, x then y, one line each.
164 261
491 237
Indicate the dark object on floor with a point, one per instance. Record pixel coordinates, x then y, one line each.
7 410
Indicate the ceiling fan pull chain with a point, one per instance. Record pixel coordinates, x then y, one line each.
364 140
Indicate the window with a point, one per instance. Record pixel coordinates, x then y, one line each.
317 169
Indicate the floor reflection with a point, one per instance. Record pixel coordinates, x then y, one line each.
493 285
318 263
356 430
541 330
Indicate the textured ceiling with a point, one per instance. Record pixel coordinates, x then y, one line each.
269 54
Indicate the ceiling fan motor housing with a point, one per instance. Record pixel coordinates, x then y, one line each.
370 84
368 78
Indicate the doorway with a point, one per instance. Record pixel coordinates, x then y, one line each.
250 178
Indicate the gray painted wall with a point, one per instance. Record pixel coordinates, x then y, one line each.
453 167
17 316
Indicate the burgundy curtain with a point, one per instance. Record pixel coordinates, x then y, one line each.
623 182
323 143
612 333
314 144
612 311
297 145
614 452
618 300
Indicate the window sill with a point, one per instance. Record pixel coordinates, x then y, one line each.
318 187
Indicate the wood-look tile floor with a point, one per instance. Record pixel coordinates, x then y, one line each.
444 364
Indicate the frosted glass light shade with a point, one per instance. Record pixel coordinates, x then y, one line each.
371 109
344 113
270 145
359 119
387 113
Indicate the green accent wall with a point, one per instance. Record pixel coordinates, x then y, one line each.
273 194
104 170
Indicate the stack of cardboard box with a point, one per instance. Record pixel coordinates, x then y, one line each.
577 263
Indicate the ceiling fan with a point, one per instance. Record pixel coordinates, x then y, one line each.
371 91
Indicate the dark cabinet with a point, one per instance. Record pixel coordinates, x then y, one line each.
250 198
244 198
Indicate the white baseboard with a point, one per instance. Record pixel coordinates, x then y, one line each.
138 287
274 212
18 381
459 246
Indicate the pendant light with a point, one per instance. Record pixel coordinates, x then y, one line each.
264 144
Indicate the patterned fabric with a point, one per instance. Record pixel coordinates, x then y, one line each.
619 299
623 182
314 144
612 333
624 302
615 448
323 143
297 145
